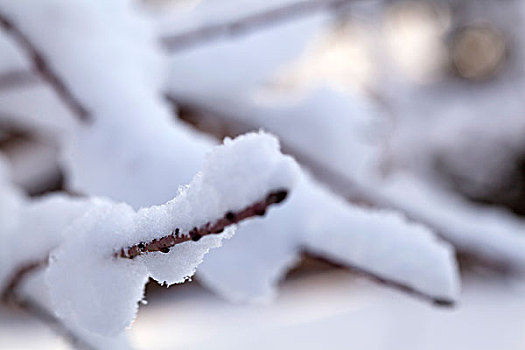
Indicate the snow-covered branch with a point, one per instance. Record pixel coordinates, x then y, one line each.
42 68
251 22
169 157
164 244
234 179
86 239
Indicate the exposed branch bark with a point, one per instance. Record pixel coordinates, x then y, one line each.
249 23
164 244
45 71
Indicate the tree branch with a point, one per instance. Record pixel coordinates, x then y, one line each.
386 282
199 116
164 244
249 23
10 294
172 43
44 70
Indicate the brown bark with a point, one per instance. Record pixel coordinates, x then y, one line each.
164 244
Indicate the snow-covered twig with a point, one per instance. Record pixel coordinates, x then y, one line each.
11 296
165 243
44 70
249 23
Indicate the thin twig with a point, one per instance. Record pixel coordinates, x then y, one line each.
44 70
164 244
249 23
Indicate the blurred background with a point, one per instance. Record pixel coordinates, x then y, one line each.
357 91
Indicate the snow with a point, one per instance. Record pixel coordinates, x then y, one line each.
235 72
336 310
341 132
133 151
33 288
10 56
83 268
186 256
333 309
10 202
492 232
386 244
44 117
89 288
86 39
383 243
37 231
144 150
387 152
183 19
31 228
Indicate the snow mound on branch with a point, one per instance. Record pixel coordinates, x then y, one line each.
34 287
385 244
92 288
493 233
380 243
